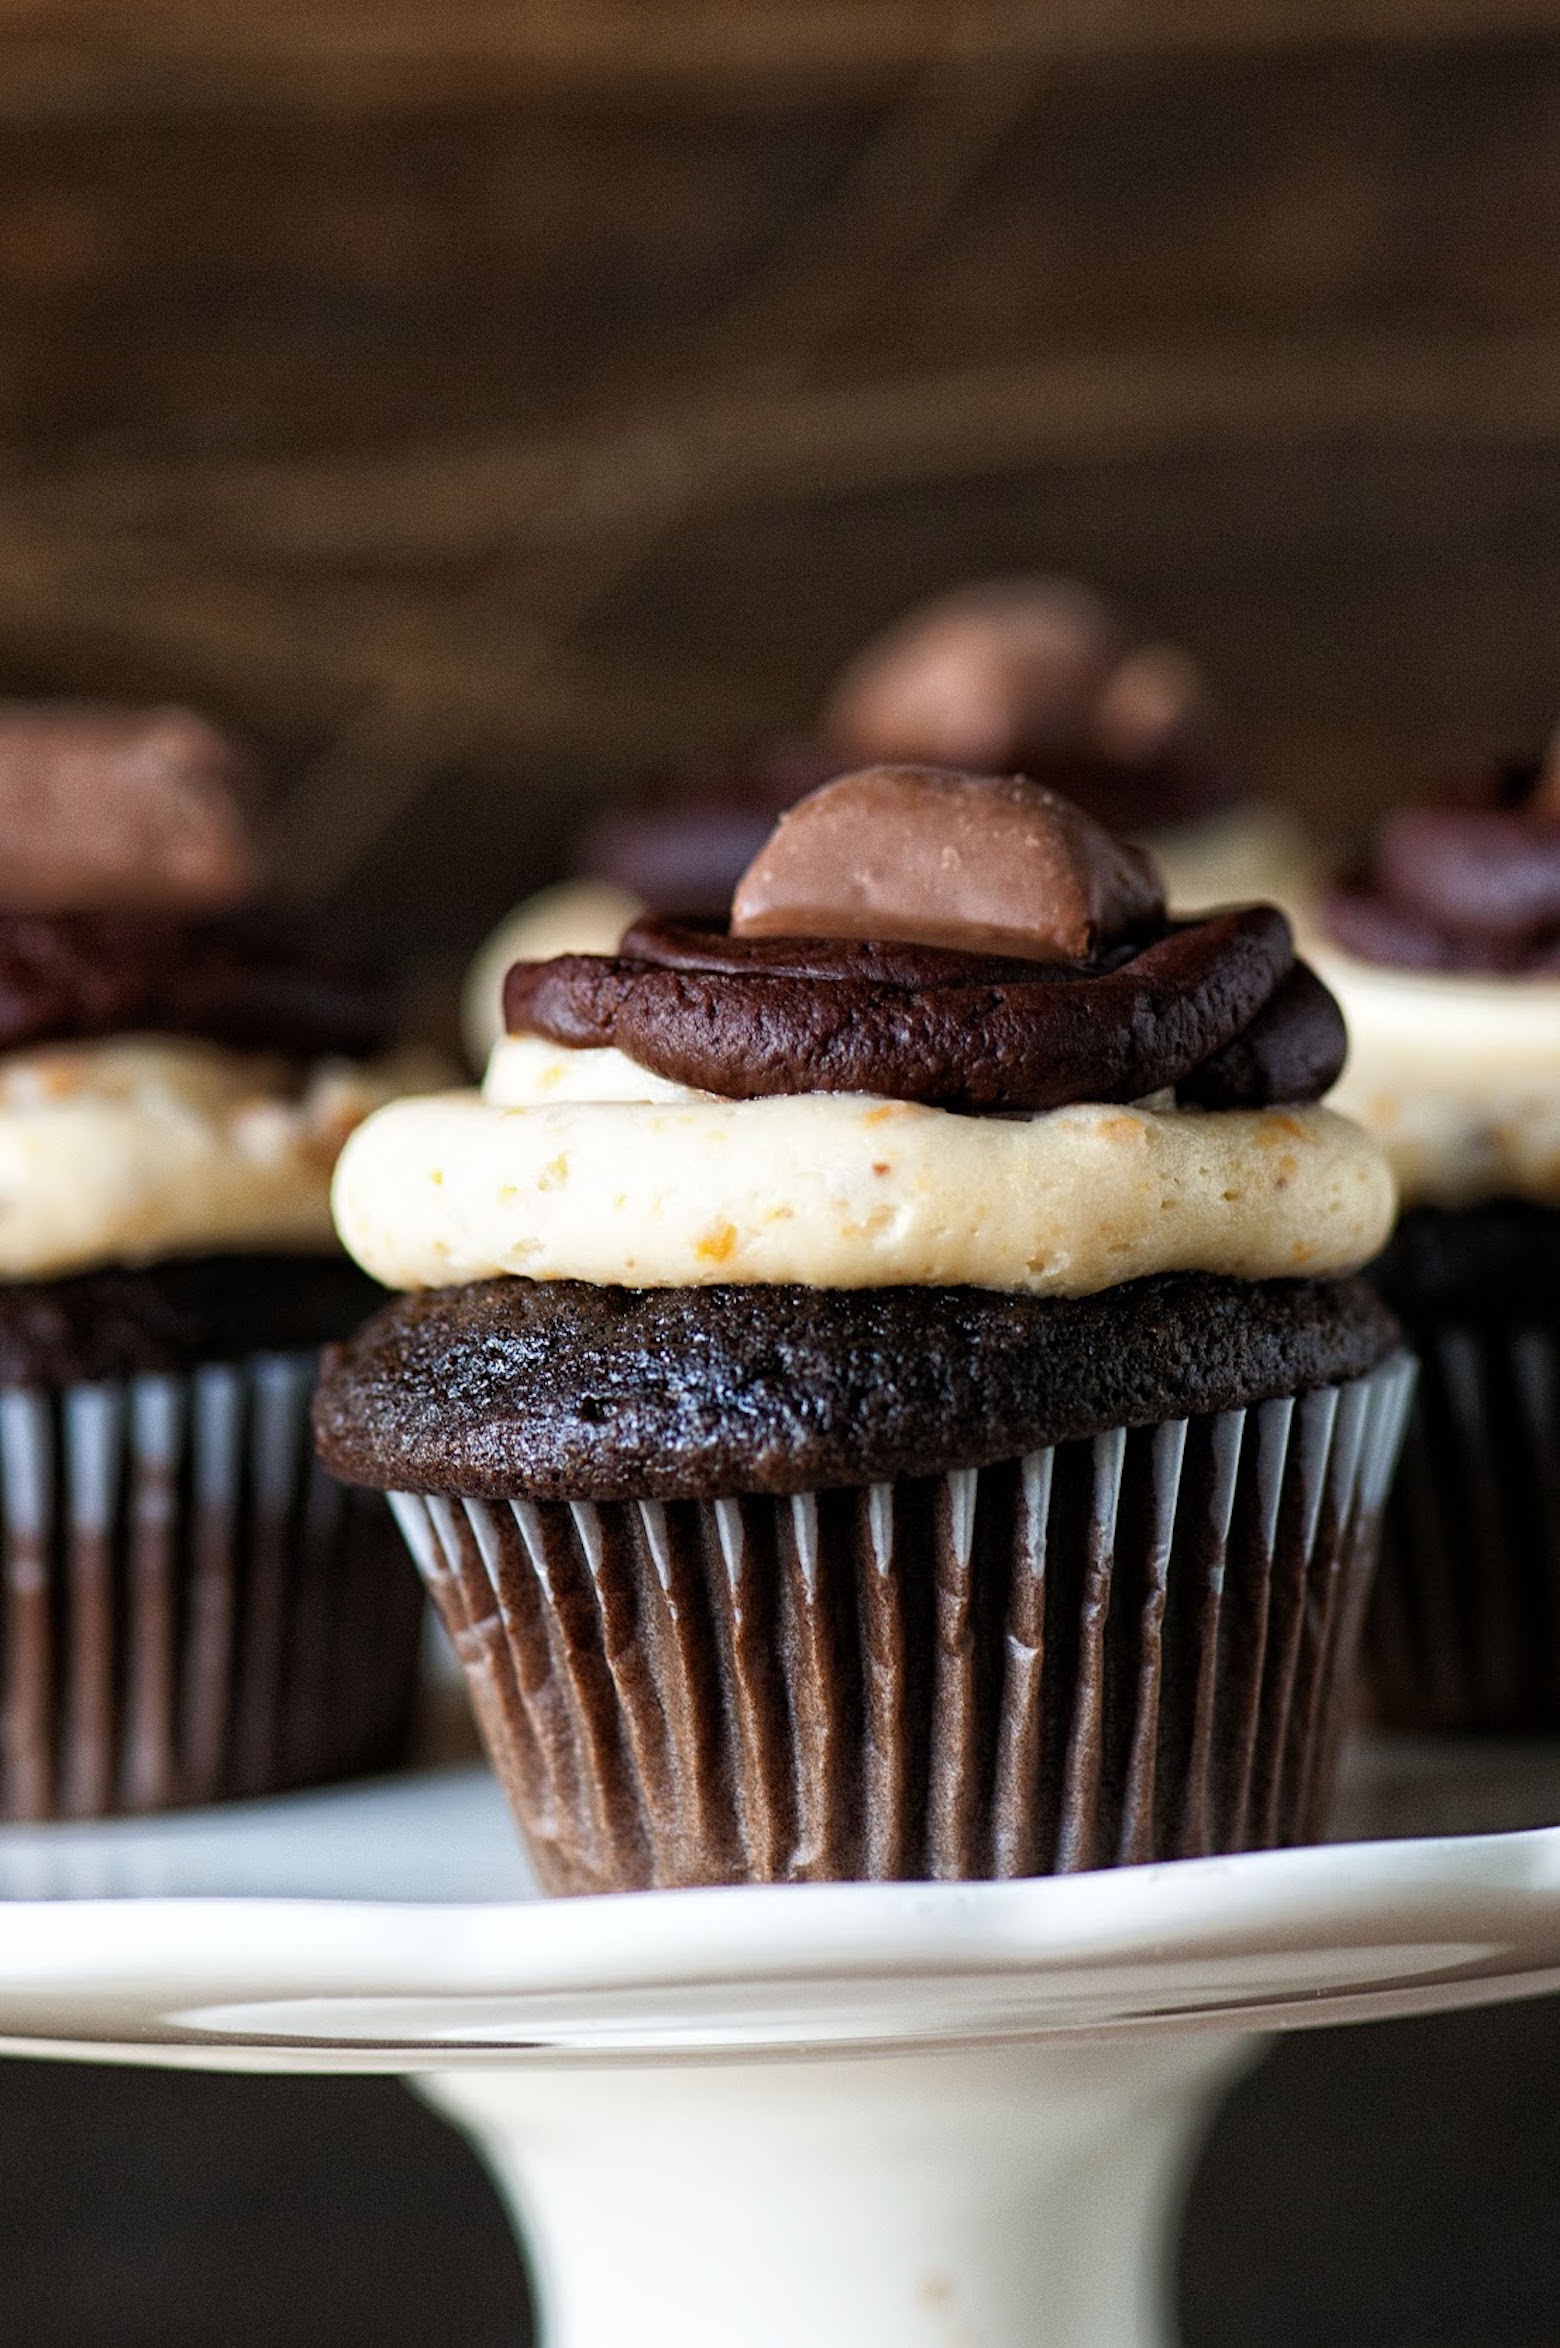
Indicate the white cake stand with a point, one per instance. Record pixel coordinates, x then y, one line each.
860 2116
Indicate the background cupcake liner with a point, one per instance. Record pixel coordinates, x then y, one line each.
191 1606
1129 1648
1464 1631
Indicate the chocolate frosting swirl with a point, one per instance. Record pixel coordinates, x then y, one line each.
1218 1009
255 983
1470 883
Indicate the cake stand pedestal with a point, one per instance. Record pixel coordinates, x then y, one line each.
835 2116
1017 2196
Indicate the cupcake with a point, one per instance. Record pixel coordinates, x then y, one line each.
1042 676
192 1608
880 1392
1445 951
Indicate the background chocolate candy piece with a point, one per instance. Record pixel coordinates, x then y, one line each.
1040 677
983 677
982 863
104 807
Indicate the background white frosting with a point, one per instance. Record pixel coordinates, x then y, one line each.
577 1165
1458 1078
142 1147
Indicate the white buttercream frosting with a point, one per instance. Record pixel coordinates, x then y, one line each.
579 1165
574 917
1457 1077
1245 855
142 1147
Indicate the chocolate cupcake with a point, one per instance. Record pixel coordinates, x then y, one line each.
1445 950
192 1608
882 1393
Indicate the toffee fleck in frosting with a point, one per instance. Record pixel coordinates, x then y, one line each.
882 1392
1445 950
193 1608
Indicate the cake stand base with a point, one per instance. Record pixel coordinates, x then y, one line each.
1021 2196
871 2115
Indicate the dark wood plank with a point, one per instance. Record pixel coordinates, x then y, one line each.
330 54
490 453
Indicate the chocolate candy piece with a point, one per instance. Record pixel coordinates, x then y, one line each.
1154 700
980 863
103 807
1035 1042
983 678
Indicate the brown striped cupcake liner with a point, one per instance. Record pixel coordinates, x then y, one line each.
191 1608
1464 1630
1132 1647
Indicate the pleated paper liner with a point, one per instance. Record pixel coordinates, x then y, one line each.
1464 1632
1130 1648
192 1608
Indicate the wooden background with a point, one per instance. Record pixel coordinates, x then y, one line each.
485 403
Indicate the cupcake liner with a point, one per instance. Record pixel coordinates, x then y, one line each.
1129 1648
1464 1631
191 1607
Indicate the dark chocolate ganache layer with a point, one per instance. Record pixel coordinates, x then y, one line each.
251 981
559 1390
1470 883
1219 1009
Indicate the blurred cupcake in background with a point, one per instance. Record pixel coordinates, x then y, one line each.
190 1607
1044 677
1035 676
883 1393
1444 950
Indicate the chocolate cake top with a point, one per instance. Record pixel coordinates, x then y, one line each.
560 1390
170 1318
